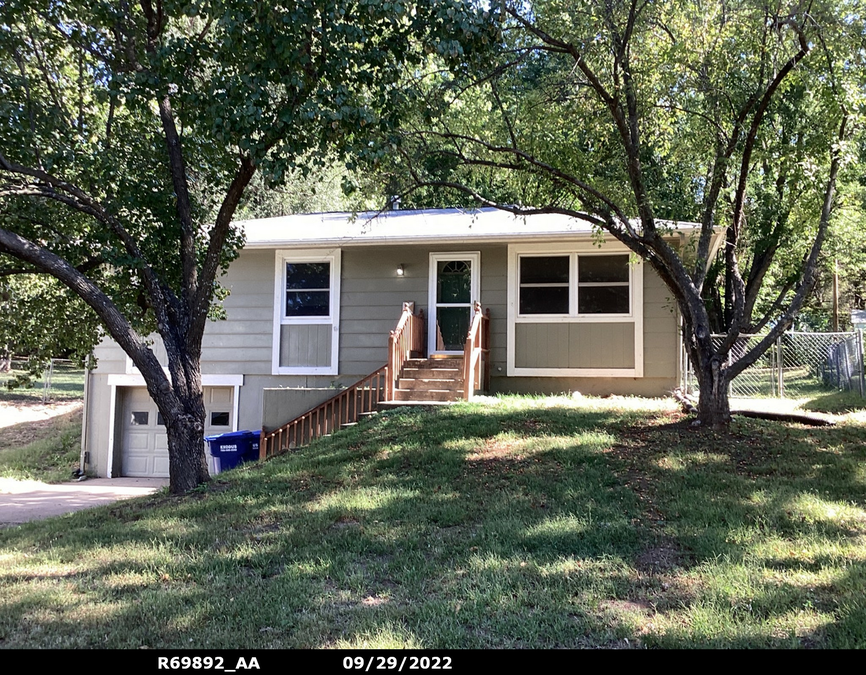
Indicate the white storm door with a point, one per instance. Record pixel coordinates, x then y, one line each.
454 287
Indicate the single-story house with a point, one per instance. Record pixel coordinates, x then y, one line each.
313 299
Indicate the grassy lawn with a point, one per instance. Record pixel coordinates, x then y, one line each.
521 523
46 450
66 384
836 402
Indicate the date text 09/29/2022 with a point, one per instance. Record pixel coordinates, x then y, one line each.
394 663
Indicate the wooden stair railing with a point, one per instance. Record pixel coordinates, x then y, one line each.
362 397
343 408
476 354
406 339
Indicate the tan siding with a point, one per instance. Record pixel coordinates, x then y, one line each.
96 424
373 296
658 309
216 329
664 325
574 345
358 365
305 345
110 358
372 340
494 296
661 339
387 296
377 313
598 386
243 342
233 361
239 341
372 300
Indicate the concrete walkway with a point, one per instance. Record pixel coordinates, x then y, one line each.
25 500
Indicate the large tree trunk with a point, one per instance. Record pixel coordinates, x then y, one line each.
714 409
181 403
187 464
182 406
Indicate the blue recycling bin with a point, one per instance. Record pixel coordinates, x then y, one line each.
231 449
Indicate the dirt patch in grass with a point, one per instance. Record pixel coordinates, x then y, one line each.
494 449
636 450
24 422
660 558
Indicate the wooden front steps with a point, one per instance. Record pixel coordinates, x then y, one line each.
424 382
430 381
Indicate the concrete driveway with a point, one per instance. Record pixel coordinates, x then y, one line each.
25 500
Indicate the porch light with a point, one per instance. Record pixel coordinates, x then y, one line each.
401 270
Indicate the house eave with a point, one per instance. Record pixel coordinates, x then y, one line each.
346 242
425 228
505 238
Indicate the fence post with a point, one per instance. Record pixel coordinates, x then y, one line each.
780 356
46 388
860 359
848 374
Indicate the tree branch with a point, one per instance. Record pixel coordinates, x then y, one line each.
113 319
218 234
61 191
810 271
546 168
735 284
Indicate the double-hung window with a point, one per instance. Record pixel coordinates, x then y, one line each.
306 312
308 289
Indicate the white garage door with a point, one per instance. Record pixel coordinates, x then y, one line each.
144 450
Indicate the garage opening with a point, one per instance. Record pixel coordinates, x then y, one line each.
144 443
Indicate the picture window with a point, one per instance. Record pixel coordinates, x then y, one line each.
548 284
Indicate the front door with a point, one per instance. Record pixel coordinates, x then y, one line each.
454 288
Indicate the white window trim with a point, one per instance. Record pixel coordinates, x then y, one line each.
207 380
574 250
332 256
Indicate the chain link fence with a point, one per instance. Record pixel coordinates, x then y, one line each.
62 380
798 365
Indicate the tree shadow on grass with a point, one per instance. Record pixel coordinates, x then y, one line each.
768 511
540 527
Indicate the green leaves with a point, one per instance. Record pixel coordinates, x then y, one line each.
81 82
